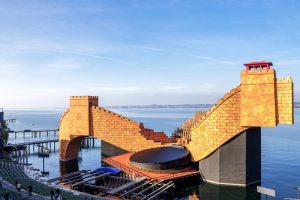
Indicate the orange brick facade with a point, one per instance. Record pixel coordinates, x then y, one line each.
261 110
84 118
285 101
260 100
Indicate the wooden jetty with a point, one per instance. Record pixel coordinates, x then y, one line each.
35 133
38 143
20 151
87 142
51 144
18 154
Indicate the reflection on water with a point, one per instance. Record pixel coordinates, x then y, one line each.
215 192
194 189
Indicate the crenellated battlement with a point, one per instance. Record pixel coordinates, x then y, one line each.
285 80
83 97
84 101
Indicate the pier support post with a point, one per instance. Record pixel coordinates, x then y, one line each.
26 152
23 155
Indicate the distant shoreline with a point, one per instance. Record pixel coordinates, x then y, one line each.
296 105
163 106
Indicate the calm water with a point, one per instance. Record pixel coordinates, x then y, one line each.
280 151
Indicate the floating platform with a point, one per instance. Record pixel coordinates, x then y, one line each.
122 162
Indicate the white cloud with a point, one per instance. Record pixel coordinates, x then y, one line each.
117 89
10 68
62 64
202 57
205 86
289 63
65 49
170 87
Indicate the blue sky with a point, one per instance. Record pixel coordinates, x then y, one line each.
140 52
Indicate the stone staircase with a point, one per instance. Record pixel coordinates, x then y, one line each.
150 134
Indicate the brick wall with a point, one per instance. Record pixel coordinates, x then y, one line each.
105 125
217 126
120 131
285 101
260 101
64 131
258 98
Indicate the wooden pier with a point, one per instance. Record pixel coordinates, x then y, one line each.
35 133
40 139
42 133
51 144
20 151
39 143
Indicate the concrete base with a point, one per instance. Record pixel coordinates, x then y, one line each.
237 162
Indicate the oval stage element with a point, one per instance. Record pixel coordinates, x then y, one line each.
161 158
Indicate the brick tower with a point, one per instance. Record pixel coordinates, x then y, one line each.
80 113
258 79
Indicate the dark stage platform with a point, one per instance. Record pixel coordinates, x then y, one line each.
161 158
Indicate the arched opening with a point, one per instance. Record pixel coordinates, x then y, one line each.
69 148
79 152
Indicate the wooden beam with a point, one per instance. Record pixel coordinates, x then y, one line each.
89 179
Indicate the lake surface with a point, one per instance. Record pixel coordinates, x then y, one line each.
280 150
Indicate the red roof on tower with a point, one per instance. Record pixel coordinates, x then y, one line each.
258 65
